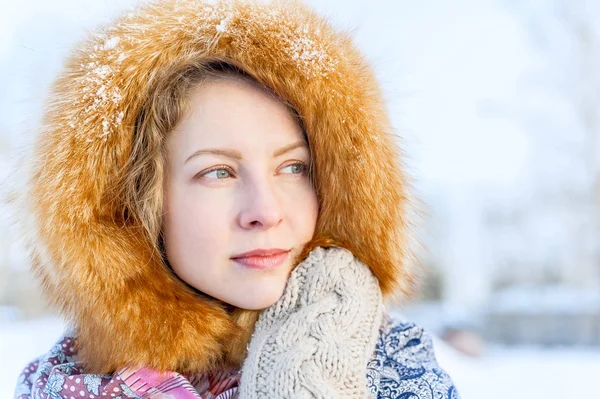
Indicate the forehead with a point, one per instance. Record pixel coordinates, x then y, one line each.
234 112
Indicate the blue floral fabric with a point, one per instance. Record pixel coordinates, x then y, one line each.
404 365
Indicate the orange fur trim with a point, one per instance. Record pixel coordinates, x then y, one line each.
104 278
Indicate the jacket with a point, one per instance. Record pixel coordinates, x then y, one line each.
99 271
403 365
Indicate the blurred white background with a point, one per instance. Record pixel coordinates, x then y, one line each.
497 103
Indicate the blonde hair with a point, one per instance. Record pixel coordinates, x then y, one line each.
139 192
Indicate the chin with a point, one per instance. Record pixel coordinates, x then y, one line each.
260 300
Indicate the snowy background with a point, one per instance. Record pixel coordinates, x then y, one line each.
497 104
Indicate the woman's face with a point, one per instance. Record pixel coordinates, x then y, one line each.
237 181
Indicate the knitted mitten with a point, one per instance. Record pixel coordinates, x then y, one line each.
316 340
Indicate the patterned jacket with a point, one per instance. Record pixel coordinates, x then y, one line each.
403 366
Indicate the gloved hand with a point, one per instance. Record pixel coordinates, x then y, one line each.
316 340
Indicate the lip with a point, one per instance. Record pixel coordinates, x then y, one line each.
262 258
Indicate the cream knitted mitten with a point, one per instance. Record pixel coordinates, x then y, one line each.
316 340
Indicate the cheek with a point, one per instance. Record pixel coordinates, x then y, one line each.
195 220
303 209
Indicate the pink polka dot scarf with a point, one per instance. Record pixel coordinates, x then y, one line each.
56 375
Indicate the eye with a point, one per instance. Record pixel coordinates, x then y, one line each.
295 168
218 173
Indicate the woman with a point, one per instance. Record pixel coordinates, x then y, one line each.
219 210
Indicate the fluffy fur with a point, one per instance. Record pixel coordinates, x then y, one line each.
127 306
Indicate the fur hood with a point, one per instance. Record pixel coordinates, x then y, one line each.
105 278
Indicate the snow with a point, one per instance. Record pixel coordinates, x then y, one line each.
515 373
310 57
523 373
222 26
111 43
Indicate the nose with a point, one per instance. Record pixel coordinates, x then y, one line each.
261 207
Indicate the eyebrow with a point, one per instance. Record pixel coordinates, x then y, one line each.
238 156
